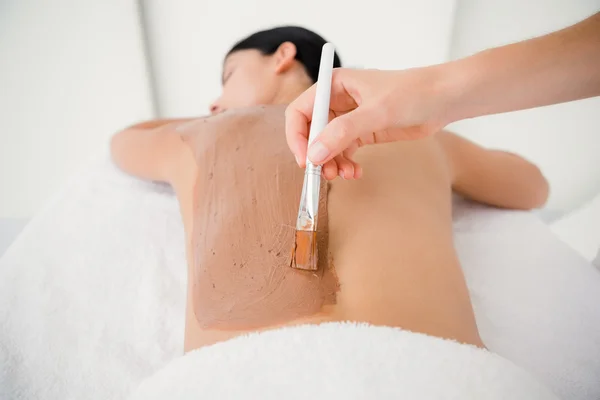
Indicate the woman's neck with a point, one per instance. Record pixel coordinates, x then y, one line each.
291 89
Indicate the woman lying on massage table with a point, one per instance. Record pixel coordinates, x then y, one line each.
386 253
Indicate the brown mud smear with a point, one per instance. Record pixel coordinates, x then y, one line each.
245 209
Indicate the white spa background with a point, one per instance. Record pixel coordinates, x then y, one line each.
73 72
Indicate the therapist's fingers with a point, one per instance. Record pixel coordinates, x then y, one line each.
349 155
330 170
345 167
342 166
343 132
298 115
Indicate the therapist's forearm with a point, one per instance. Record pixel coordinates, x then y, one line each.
555 68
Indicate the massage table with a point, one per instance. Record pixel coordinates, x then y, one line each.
92 297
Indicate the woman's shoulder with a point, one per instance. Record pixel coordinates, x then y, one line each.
230 131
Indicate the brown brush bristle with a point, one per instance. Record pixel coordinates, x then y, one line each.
304 253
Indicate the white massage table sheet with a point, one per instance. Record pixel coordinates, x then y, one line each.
92 293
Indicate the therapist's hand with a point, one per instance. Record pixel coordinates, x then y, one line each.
367 107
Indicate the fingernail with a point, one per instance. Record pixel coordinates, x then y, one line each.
318 153
358 173
341 173
297 159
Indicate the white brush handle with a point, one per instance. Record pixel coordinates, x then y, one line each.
320 116
309 200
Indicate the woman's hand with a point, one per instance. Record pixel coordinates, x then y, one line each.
367 107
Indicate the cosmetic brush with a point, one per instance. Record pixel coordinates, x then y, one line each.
304 253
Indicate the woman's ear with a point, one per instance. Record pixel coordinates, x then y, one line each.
284 57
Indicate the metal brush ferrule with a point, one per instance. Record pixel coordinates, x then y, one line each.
309 200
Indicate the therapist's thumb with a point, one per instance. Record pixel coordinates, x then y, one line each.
341 133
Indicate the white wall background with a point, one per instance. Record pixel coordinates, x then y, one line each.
564 140
71 73
189 39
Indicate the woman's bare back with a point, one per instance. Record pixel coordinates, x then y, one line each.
386 254
245 198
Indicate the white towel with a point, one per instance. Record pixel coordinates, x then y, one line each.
341 361
92 293
581 228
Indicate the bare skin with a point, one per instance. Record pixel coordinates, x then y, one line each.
390 233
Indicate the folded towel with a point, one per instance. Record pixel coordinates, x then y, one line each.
92 293
341 361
